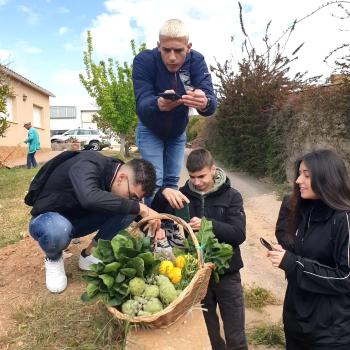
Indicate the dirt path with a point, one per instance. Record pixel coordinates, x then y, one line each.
22 275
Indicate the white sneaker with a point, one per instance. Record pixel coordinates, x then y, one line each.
86 262
56 279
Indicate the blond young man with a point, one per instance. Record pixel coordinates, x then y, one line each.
168 80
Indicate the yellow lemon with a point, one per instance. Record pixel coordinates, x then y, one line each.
175 275
165 267
180 261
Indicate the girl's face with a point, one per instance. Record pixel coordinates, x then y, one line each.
304 182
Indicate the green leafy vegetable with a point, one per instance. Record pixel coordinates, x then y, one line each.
219 254
123 258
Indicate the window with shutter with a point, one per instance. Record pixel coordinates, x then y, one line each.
37 116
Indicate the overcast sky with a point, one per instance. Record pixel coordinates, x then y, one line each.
44 40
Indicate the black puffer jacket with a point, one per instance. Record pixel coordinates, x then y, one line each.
317 267
81 185
224 208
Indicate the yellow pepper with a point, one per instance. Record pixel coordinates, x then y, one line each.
180 261
175 275
165 267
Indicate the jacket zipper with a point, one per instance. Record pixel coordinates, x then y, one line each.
202 205
308 226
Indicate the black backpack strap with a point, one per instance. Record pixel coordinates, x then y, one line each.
43 174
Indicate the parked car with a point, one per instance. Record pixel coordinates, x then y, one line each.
93 139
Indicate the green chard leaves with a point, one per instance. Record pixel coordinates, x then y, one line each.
122 258
219 254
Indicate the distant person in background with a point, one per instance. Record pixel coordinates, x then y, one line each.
170 68
33 144
313 232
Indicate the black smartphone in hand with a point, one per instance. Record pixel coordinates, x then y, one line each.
170 96
266 244
183 213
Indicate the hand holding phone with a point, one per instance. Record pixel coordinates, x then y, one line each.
266 244
172 96
183 213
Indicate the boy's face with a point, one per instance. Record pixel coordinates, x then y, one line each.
203 180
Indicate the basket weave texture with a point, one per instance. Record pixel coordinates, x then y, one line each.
190 296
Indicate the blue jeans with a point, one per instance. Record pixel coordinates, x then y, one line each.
54 232
166 155
31 162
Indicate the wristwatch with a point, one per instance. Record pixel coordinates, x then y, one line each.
207 105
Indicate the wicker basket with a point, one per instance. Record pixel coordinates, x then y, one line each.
190 296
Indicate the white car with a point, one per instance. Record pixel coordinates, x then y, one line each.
94 139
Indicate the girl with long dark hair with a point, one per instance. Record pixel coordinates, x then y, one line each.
313 231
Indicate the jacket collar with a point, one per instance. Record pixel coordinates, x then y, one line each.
318 209
221 183
111 169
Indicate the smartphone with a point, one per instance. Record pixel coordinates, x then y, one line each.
266 244
169 96
183 213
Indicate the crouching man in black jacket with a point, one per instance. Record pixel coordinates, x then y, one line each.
209 194
77 193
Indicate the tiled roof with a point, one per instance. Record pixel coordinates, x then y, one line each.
24 80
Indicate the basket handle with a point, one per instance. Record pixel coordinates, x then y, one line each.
183 223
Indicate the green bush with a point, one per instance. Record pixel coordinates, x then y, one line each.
194 127
256 297
267 334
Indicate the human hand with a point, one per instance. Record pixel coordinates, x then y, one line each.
175 198
195 223
195 99
165 105
276 256
159 234
277 247
153 224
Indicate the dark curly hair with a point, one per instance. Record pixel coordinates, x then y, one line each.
144 175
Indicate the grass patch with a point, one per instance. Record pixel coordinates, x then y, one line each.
256 297
56 323
117 154
14 214
267 334
113 153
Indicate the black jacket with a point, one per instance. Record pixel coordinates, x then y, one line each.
316 263
81 185
223 207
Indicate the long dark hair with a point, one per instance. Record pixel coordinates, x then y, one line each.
329 180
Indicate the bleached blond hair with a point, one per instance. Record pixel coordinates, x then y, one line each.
174 28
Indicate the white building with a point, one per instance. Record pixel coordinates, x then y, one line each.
63 118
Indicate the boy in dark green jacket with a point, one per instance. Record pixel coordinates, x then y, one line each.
210 195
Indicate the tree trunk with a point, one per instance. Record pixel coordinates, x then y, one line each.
124 146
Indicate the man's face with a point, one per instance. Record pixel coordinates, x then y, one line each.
203 180
124 187
173 52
